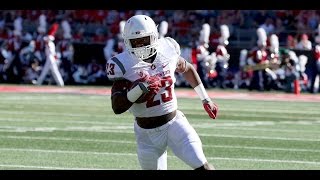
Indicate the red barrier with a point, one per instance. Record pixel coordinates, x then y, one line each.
297 88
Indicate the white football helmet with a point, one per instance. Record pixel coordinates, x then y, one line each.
140 26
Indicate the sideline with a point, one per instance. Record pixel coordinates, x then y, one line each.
180 92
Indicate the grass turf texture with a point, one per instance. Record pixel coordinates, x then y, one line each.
69 131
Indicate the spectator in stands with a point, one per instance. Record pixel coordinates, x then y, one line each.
304 43
182 24
291 42
280 29
39 40
12 46
3 33
268 26
314 88
95 72
80 76
79 36
115 44
66 50
27 57
99 36
289 65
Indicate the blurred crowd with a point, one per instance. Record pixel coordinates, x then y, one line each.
96 26
204 36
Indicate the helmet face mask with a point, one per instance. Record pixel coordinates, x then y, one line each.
140 36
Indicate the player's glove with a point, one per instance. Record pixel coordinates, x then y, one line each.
211 108
154 84
144 89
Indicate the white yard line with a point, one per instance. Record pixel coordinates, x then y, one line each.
240 125
51 113
131 154
44 97
249 128
311 112
67 128
68 139
40 103
265 160
21 101
124 129
67 152
66 121
133 142
263 148
48 167
259 137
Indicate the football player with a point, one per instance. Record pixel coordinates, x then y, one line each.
144 80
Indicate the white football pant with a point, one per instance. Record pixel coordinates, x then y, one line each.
51 64
178 135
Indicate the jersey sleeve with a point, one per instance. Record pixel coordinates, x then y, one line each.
115 69
174 44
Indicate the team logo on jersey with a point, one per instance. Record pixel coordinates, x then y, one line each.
141 74
164 65
153 67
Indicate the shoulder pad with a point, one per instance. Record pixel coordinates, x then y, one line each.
115 69
174 44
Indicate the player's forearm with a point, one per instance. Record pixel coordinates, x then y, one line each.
191 76
194 80
120 102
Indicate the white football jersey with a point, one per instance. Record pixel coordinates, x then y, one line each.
126 66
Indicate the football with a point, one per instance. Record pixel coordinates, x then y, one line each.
150 87
143 98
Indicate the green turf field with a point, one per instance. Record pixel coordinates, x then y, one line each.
68 131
